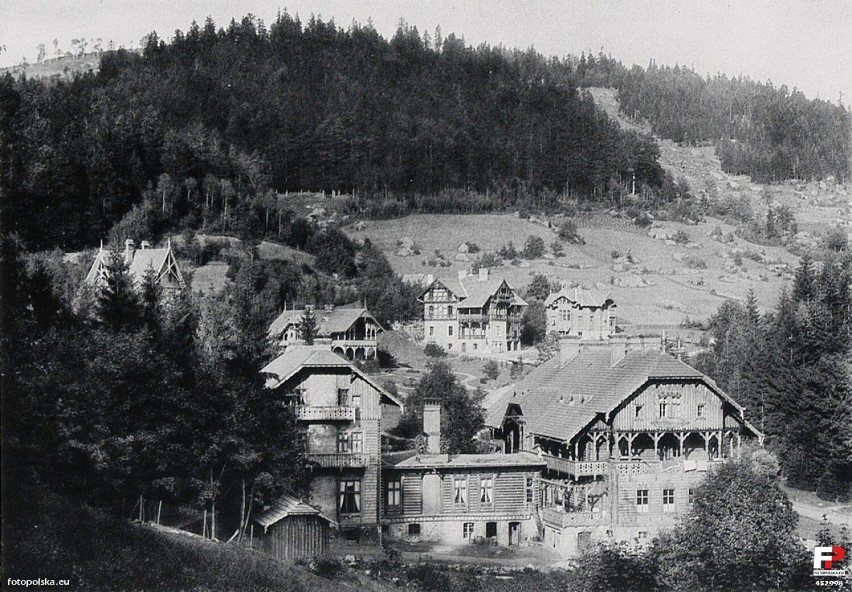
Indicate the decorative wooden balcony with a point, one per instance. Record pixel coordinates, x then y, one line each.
341 460
554 516
336 413
577 468
466 317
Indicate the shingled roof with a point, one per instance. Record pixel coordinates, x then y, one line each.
336 320
559 399
284 507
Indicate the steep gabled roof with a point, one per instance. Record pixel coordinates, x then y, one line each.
559 400
472 291
300 357
336 320
284 507
161 261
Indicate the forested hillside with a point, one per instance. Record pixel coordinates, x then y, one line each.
213 123
767 132
791 369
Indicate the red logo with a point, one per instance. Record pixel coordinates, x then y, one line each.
826 557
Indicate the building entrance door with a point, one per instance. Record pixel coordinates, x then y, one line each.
514 533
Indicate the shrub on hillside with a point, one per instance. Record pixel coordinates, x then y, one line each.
680 237
508 252
568 232
534 247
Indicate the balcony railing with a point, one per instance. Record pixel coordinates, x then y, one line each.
577 468
342 460
336 413
555 517
354 342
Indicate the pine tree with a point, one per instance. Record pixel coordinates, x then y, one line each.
308 327
118 303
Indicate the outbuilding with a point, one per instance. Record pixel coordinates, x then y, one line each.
291 529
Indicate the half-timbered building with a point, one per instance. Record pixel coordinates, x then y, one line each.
626 431
341 414
472 313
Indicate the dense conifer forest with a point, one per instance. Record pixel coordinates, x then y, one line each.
214 120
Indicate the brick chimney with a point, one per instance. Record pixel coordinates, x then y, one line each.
145 245
432 425
483 274
129 249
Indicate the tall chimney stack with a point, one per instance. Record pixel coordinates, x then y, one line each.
129 248
432 425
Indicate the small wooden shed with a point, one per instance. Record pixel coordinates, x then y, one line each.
292 529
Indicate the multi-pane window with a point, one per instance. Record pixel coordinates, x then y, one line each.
299 395
449 310
701 410
394 493
450 330
349 496
486 490
343 443
641 500
668 500
530 490
467 530
343 397
664 408
431 311
357 440
691 496
460 491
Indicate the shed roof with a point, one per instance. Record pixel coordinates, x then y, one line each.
284 507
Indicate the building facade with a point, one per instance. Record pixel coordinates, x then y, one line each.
341 413
350 332
472 313
462 499
627 433
581 313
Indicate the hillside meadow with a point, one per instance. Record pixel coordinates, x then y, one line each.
665 283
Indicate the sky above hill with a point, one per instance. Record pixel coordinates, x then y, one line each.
800 43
